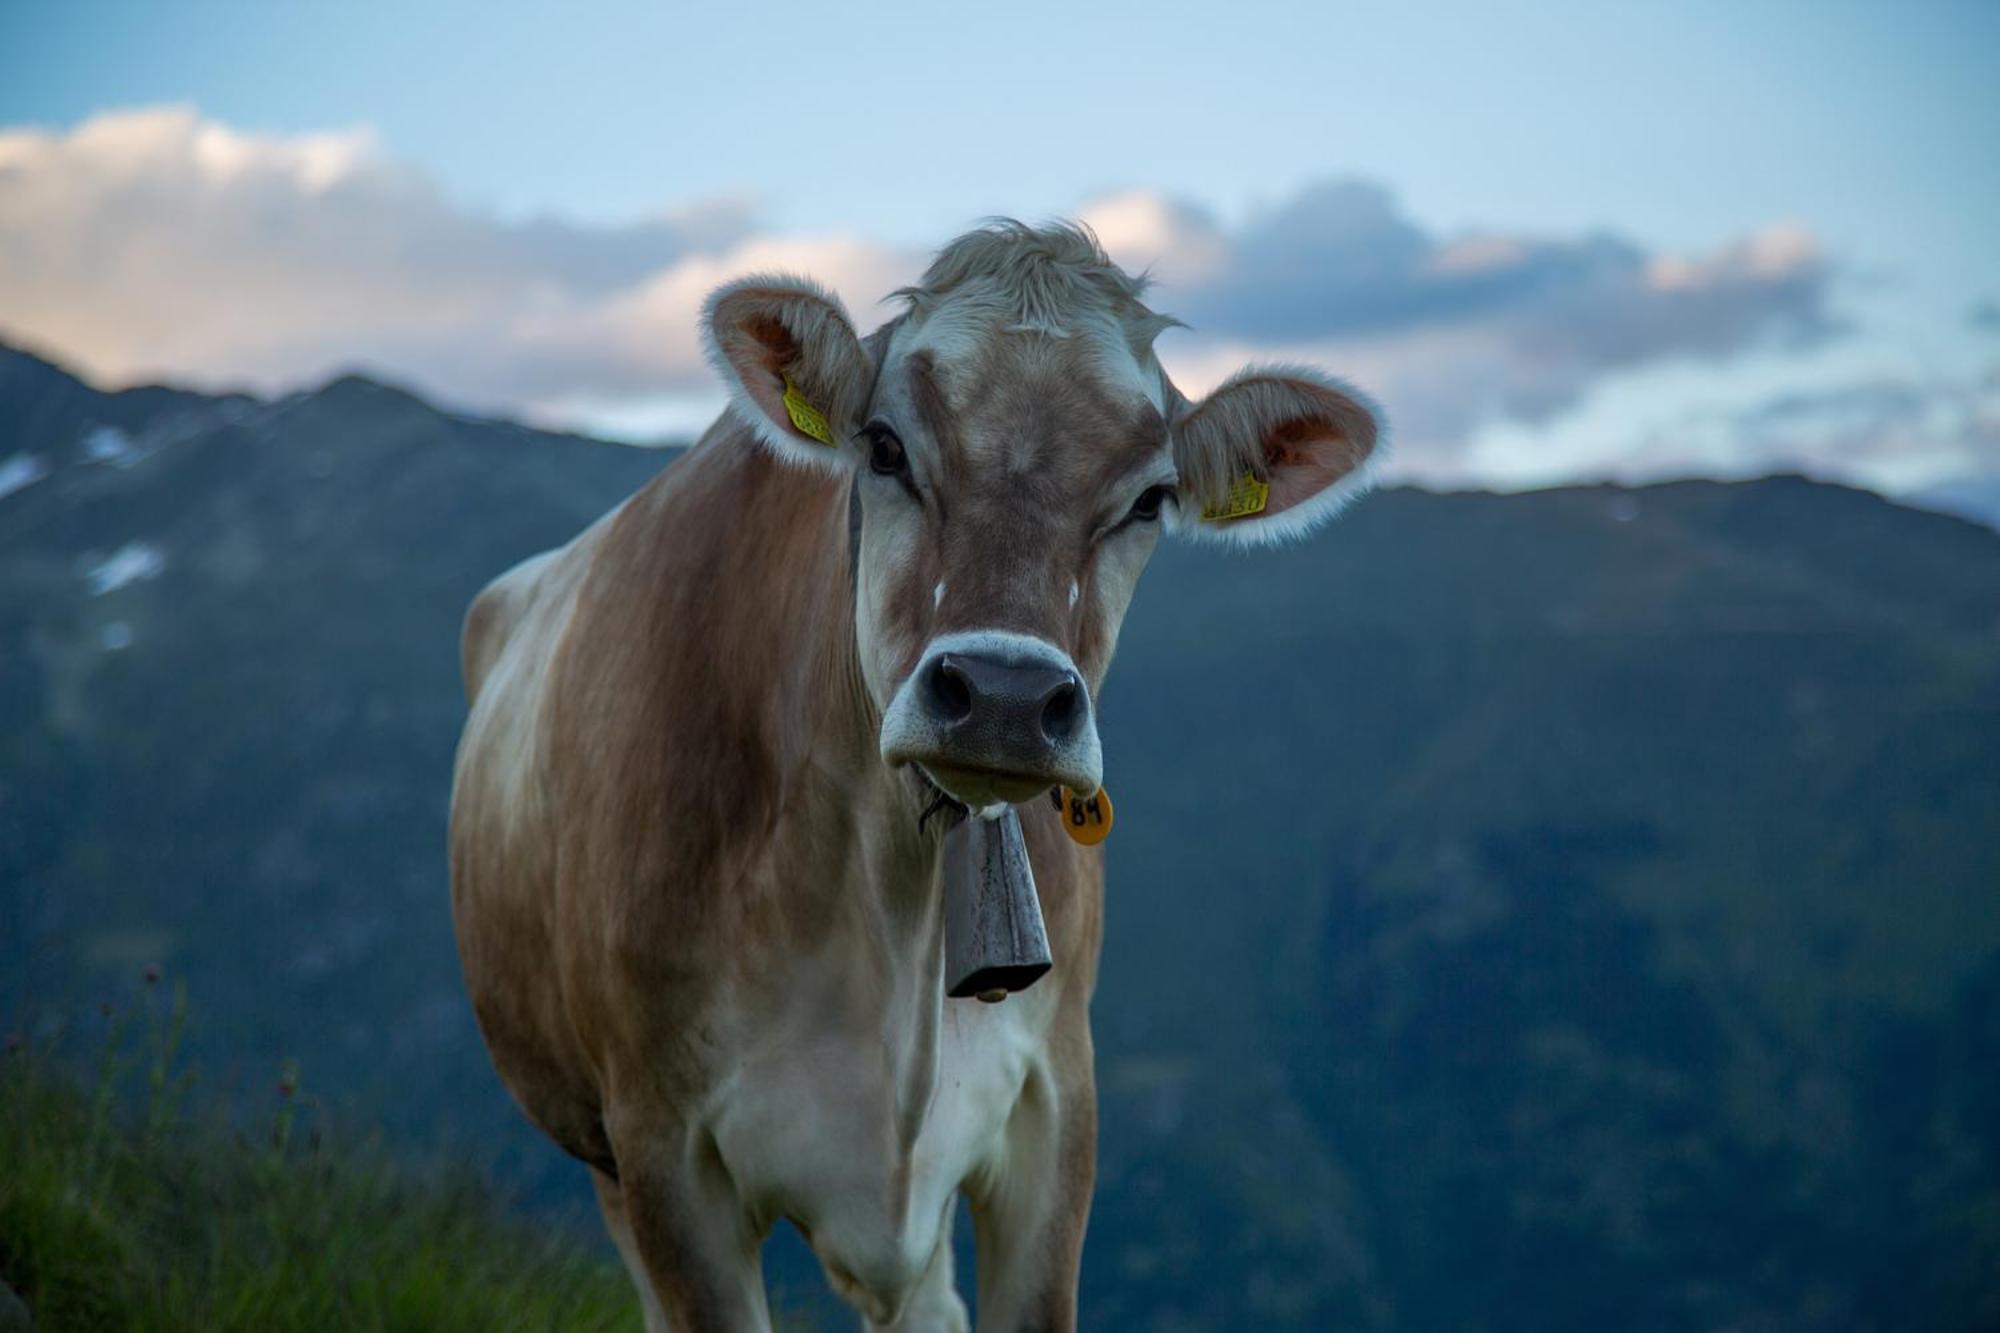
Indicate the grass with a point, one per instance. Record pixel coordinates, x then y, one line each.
121 1209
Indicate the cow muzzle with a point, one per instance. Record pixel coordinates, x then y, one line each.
995 718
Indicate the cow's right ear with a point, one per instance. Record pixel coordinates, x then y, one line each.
795 369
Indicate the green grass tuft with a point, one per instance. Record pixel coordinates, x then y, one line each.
119 1209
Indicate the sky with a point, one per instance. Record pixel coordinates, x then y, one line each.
1622 241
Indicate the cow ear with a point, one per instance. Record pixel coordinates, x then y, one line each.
795 369
1273 453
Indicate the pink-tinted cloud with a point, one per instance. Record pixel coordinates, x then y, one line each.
158 243
155 242
1454 333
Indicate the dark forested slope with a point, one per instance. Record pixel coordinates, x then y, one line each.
1564 910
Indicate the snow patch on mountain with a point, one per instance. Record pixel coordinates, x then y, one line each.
128 564
109 444
20 471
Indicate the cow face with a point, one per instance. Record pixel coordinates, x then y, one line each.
1014 477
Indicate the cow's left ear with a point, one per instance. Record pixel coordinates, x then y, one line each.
1273 453
795 369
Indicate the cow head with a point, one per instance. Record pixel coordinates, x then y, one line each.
1017 450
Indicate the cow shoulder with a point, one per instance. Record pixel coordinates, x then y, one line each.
494 616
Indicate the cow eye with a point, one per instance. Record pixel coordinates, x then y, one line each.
885 452
1147 507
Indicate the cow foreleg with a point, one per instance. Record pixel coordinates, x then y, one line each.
692 1250
611 1202
1029 1211
935 1307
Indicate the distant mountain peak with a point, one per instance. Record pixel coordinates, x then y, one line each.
356 383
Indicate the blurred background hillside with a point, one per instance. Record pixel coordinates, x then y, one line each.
1586 895
1563 895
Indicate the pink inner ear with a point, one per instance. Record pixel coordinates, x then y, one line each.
767 346
1303 457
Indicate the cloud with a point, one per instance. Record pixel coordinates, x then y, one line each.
1896 432
1339 261
1455 332
155 242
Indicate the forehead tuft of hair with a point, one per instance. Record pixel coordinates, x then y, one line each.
1048 279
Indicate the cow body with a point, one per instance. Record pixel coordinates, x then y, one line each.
722 918
697 879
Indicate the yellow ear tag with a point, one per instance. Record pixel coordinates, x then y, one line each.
1246 496
808 419
1086 820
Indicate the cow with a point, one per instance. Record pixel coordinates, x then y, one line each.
717 741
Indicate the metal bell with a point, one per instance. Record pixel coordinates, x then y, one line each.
994 939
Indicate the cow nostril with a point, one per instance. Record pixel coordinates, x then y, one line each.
950 692
1062 710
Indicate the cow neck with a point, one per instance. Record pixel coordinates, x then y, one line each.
903 852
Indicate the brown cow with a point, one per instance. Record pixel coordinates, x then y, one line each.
698 904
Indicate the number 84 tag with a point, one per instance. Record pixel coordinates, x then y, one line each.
1087 819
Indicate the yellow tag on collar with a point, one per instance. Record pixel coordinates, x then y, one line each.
808 419
1247 496
1087 820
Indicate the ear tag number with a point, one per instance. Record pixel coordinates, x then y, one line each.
1247 495
806 418
1087 820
